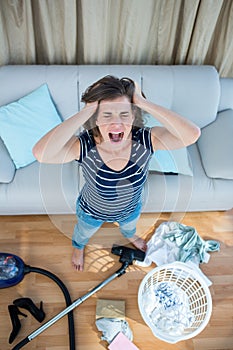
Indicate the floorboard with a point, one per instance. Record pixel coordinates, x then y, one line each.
44 242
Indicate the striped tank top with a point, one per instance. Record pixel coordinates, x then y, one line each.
111 195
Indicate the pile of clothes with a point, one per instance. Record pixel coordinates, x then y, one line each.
173 241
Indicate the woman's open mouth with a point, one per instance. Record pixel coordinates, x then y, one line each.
116 136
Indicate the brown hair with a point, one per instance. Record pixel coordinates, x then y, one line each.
109 88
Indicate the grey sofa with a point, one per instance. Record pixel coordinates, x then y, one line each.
196 92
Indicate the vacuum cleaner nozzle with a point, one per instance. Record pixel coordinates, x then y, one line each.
128 255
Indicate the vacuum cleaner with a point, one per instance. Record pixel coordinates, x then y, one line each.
13 269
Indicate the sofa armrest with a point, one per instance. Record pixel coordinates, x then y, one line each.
216 145
226 96
7 167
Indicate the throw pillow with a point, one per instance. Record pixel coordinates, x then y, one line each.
173 161
24 122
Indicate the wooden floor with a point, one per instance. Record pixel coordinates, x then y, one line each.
44 242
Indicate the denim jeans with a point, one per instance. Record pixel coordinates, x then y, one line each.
87 225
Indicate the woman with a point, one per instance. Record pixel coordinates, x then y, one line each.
114 151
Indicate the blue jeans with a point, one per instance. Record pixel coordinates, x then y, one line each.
87 225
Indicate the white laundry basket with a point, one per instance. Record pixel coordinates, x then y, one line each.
185 280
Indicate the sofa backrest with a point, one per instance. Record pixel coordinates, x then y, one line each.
89 74
192 91
17 81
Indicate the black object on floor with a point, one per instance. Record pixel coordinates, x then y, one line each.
13 270
28 304
16 324
127 256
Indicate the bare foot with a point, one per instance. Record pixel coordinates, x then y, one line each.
138 243
78 259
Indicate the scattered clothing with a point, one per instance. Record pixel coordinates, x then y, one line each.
168 308
111 327
173 241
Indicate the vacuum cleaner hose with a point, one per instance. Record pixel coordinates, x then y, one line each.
127 256
28 269
12 271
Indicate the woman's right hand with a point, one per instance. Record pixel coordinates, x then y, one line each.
92 106
61 145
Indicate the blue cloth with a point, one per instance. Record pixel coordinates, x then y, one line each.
173 241
189 242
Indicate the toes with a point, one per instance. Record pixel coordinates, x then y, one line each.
77 267
143 247
139 243
80 267
77 260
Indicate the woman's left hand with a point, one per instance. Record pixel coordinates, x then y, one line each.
137 97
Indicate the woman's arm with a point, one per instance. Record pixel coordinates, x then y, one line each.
176 131
60 145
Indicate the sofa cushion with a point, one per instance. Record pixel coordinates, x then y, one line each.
62 81
7 167
24 122
191 91
173 161
216 145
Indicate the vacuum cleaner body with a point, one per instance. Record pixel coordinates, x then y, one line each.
11 270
